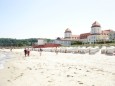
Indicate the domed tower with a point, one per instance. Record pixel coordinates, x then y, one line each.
95 28
67 33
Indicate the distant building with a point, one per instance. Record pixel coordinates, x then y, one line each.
105 35
94 36
64 42
112 35
83 37
95 33
68 35
75 37
68 38
41 41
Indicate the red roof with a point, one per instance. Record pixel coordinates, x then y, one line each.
96 24
67 30
84 35
105 32
46 45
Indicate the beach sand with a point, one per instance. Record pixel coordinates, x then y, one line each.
64 69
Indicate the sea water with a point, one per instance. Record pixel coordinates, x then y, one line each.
4 56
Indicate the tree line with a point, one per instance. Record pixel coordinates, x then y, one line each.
9 42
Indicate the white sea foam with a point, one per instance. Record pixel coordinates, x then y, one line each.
3 58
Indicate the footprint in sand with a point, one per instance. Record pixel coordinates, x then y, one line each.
21 74
85 75
113 73
8 80
80 82
69 76
47 76
29 68
50 81
79 69
42 72
69 67
52 74
103 74
87 71
75 73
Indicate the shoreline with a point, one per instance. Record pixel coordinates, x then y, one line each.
64 69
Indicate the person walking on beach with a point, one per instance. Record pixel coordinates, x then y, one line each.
11 49
41 51
28 52
56 51
65 50
25 52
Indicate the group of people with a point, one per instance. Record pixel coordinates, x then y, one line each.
26 52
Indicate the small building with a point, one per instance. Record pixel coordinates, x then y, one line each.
41 41
63 42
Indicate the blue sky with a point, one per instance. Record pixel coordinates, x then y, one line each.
49 18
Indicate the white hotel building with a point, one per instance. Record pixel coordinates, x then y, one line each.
95 35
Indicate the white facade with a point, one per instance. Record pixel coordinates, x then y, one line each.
96 30
63 42
41 41
67 33
93 38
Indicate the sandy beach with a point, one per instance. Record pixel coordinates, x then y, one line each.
64 69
